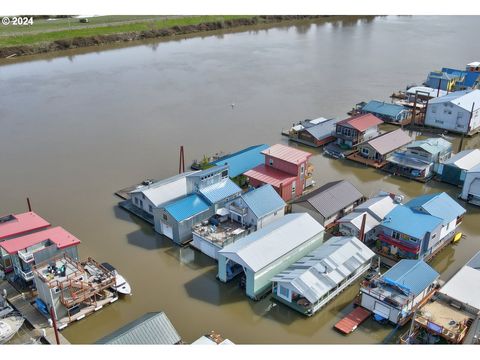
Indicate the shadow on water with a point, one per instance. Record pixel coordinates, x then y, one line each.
207 288
148 241
193 259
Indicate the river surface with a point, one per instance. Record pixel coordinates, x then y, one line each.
79 125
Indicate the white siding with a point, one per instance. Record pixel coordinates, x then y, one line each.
206 247
450 117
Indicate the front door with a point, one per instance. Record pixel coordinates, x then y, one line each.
167 230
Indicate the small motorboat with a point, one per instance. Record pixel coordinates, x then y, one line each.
121 285
9 326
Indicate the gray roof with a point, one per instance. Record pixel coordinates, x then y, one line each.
332 197
390 141
324 268
153 328
378 206
322 130
465 159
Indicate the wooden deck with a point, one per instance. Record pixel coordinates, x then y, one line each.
31 314
360 159
353 319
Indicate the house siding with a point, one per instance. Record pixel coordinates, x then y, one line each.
451 117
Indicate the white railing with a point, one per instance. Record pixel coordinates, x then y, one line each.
25 256
27 275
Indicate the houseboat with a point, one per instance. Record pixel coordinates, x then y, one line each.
454 170
356 129
471 186
388 112
315 133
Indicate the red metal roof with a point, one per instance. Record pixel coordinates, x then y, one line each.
21 223
269 175
287 153
354 318
58 235
361 122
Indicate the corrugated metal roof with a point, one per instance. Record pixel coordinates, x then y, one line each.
187 207
378 206
14 225
287 153
264 246
465 159
243 160
361 122
323 129
220 191
151 329
268 175
463 287
474 262
383 108
57 235
356 219
166 190
431 145
440 205
263 200
332 197
432 92
390 141
415 275
464 99
407 221
324 268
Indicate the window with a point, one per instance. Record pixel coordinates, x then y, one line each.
136 201
294 187
150 208
165 217
224 173
143 196
275 213
434 109
283 292
270 162
365 151
302 169
141 203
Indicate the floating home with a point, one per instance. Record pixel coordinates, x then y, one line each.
14 225
420 228
287 169
388 112
73 289
423 93
374 210
467 79
356 129
442 80
249 212
153 328
212 339
454 170
458 112
419 158
374 152
268 251
471 186
243 160
28 250
453 315
316 133
329 202
395 295
313 281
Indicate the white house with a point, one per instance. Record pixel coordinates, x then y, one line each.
471 186
453 112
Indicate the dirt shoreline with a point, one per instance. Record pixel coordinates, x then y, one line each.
79 42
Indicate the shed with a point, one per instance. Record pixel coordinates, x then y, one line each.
314 280
454 170
153 328
471 186
243 160
388 112
329 202
266 252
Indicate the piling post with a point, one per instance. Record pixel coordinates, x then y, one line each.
181 164
29 205
362 228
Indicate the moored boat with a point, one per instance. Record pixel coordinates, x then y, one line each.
9 326
121 285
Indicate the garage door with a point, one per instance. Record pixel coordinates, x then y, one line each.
167 230
381 310
475 188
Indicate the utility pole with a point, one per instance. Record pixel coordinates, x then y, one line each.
181 164
29 205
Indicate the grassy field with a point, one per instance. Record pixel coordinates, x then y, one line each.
43 31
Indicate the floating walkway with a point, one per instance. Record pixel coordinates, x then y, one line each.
31 314
353 319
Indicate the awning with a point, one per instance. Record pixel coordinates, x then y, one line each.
223 212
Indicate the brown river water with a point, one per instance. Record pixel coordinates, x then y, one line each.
77 126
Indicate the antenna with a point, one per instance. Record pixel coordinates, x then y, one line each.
181 164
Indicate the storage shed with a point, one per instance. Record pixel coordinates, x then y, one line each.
454 170
471 186
268 251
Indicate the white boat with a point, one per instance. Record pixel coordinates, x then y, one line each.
9 326
121 285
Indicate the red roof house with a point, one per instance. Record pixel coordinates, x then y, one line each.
357 129
287 169
19 224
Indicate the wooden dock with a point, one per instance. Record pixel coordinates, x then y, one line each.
353 319
360 159
31 314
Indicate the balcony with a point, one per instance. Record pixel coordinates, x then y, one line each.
27 276
26 256
401 244
238 210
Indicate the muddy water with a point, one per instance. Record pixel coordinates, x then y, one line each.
77 127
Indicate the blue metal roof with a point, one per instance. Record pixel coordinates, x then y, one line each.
383 108
187 207
243 160
263 200
413 275
220 191
408 221
469 76
439 205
